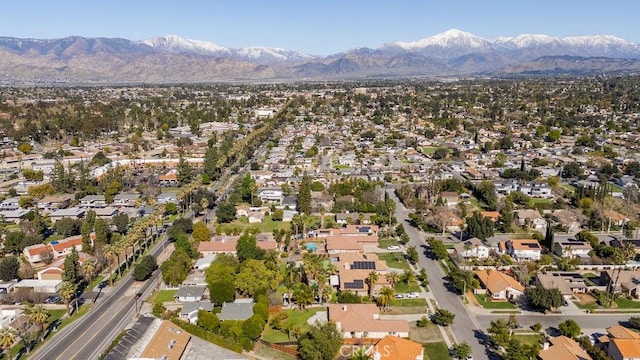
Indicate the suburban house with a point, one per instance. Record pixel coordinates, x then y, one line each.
472 248
55 270
568 283
626 282
271 196
189 311
170 179
15 216
621 343
563 348
353 218
572 249
57 248
363 321
499 285
242 210
531 219
494 216
615 217
395 348
38 286
336 244
227 245
238 310
54 202
255 217
12 203
72 212
450 198
354 270
167 197
93 201
189 293
106 213
126 200
521 249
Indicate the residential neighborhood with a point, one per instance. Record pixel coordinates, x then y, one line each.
411 217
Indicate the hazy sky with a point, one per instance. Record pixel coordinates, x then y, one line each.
315 26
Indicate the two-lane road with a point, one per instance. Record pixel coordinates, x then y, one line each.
465 327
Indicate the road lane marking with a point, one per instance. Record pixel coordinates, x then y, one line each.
95 322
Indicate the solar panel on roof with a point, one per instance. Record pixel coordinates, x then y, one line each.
364 229
356 284
364 265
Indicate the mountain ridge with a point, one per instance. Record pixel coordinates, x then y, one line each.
450 53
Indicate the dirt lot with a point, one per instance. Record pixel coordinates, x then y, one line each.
585 298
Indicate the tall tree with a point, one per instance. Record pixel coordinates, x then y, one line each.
71 267
321 342
9 267
304 196
185 173
479 226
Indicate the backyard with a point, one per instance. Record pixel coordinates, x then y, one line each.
297 318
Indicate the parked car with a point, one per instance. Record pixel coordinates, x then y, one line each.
393 247
413 295
399 296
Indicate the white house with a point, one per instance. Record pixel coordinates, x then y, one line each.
572 249
271 196
363 321
472 248
189 294
521 249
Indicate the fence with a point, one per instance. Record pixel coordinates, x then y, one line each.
286 347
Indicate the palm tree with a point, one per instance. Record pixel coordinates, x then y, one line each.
88 269
303 296
7 338
385 298
409 277
393 278
372 279
38 315
629 250
67 292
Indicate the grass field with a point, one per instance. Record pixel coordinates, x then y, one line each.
529 339
296 317
410 302
436 351
394 260
162 296
402 288
428 150
488 304
541 201
623 303
386 242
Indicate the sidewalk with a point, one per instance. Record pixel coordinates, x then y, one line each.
428 296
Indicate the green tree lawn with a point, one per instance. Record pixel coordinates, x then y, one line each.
296 317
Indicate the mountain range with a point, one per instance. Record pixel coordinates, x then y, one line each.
172 59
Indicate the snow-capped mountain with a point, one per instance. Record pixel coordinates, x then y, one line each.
454 43
451 43
174 44
453 38
175 59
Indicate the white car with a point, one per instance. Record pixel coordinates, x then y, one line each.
393 247
413 295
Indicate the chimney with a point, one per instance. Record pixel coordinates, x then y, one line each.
545 346
344 307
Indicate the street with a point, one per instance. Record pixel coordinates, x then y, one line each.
87 337
465 327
